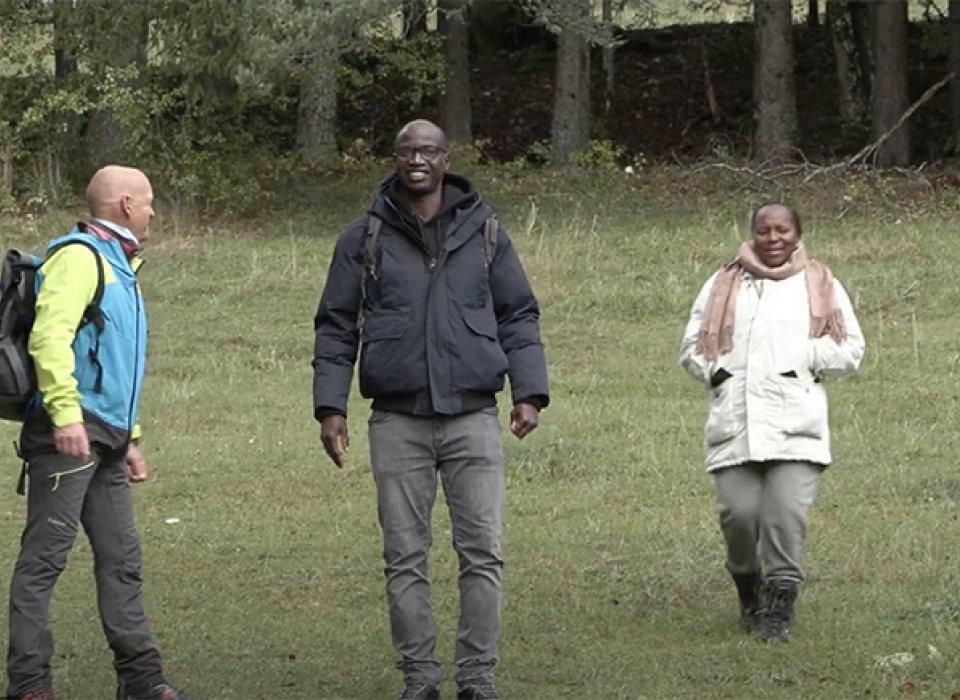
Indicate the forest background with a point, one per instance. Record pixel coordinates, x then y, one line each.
227 103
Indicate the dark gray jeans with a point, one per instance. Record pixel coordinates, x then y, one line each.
63 493
408 454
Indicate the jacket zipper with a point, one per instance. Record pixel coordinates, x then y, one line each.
136 359
431 262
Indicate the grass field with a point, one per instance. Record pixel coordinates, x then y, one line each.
270 585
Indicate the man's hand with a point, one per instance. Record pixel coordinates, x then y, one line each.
335 439
524 419
72 440
136 465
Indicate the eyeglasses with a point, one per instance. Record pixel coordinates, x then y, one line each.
426 152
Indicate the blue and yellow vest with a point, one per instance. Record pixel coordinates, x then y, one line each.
109 383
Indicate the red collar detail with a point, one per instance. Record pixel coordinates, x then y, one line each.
129 248
100 232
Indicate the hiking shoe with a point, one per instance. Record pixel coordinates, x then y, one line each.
749 587
419 690
164 691
38 694
478 690
776 610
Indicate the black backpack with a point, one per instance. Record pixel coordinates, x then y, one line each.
18 298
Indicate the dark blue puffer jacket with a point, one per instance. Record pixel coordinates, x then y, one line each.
438 332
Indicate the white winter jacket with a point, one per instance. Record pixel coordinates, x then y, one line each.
773 406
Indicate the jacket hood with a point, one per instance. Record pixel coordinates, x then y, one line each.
390 202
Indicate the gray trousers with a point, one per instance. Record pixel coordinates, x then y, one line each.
763 510
64 493
409 455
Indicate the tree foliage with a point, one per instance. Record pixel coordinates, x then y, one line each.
219 100
198 97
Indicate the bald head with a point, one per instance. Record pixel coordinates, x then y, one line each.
425 128
122 195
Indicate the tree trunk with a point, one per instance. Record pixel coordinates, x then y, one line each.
955 68
68 150
64 60
6 177
853 82
128 36
570 130
316 142
219 88
609 62
813 13
414 17
455 112
774 91
890 95
864 17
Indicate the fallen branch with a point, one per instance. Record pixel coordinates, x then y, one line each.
871 150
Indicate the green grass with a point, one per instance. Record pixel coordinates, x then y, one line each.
270 585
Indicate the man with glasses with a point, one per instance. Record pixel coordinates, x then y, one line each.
440 312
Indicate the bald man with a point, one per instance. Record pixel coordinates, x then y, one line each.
79 441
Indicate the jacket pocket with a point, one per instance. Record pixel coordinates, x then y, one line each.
381 326
724 418
482 362
388 363
804 407
482 322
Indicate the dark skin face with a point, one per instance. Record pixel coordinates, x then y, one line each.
775 235
421 160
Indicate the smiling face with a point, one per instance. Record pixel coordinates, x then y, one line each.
776 234
421 158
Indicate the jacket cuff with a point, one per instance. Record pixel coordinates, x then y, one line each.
66 416
538 402
322 412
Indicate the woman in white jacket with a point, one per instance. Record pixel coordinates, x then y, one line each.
763 332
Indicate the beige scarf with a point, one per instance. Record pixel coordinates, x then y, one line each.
716 328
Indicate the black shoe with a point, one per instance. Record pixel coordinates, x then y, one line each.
776 610
748 591
419 690
477 690
164 691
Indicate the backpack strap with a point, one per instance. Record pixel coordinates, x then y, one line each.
371 239
92 313
374 223
491 234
